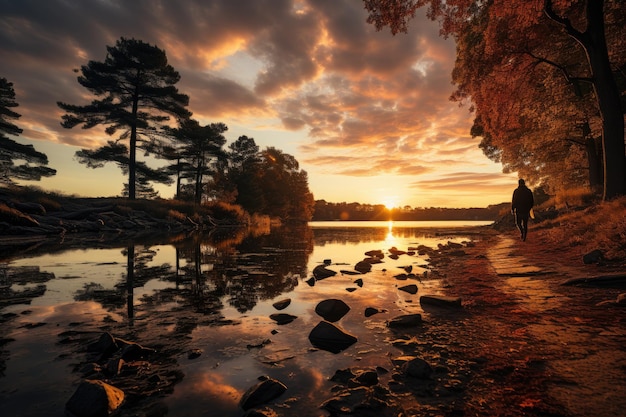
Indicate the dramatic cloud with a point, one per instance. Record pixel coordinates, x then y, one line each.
309 77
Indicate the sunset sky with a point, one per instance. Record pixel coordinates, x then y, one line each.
365 113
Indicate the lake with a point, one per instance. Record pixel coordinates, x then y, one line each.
206 301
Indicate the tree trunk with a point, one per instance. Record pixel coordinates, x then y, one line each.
593 148
607 96
132 161
593 41
130 278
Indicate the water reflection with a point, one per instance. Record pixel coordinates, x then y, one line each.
210 292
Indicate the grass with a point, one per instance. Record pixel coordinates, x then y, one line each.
599 226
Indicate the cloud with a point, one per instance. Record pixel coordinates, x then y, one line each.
369 101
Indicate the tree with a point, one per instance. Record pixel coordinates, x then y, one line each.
34 163
243 175
285 187
137 96
197 153
509 24
267 182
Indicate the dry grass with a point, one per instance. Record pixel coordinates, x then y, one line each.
572 198
600 226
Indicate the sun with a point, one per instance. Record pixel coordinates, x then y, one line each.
390 202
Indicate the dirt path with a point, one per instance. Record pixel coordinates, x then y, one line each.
542 348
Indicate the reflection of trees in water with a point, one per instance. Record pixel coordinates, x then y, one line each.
13 277
256 267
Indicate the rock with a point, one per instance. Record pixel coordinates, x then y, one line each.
329 337
283 318
377 253
407 320
94 399
261 393
417 368
363 267
321 272
358 282
621 299
194 354
105 345
282 304
593 257
441 301
133 351
114 366
396 252
332 309
311 281
366 378
411 289
348 272
30 208
370 311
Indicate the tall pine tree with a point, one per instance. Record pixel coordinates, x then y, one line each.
33 163
136 93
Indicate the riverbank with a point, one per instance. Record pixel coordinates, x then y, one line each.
547 330
521 344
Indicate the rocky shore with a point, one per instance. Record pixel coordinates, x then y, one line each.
514 335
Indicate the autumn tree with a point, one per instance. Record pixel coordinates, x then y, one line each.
532 117
512 34
136 93
267 182
31 164
197 151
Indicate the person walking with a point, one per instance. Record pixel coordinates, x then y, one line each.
521 204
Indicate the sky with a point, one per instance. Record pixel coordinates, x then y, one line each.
366 114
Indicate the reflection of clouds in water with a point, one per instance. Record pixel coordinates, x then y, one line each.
68 312
222 395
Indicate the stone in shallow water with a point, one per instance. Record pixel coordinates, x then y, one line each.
407 320
321 272
282 318
94 398
411 289
332 309
261 393
441 301
282 304
329 337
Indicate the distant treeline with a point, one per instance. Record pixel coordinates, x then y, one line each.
325 211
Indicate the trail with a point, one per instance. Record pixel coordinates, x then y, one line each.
580 339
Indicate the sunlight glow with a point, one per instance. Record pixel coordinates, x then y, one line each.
390 202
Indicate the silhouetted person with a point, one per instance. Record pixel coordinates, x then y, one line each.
521 204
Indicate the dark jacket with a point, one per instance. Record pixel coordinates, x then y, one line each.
522 200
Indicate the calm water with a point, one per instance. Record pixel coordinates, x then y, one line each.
213 293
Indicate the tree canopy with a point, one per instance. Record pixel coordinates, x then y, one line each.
136 93
17 161
196 152
266 181
536 100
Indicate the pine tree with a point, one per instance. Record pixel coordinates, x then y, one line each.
34 163
136 94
